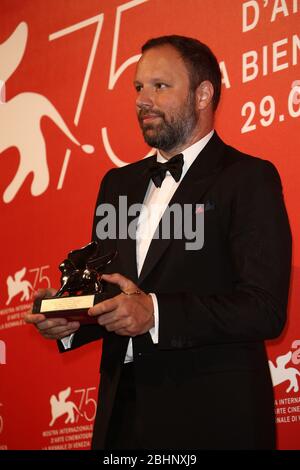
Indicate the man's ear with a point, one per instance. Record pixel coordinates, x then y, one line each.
204 95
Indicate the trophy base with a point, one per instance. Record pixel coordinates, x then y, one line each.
72 308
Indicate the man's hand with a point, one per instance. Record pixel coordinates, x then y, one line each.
129 314
53 328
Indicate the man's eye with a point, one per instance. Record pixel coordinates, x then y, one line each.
138 87
159 86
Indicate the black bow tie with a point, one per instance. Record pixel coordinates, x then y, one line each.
174 166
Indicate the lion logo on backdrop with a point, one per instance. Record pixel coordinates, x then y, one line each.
60 406
17 285
284 371
2 352
20 121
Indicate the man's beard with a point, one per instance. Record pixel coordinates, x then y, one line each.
168 135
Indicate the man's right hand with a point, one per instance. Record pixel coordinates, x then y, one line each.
53 328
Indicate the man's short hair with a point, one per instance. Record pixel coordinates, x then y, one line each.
198 58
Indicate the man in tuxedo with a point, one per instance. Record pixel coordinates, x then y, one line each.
183 359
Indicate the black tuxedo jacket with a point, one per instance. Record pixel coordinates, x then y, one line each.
206 384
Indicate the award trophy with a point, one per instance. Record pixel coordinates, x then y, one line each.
81 285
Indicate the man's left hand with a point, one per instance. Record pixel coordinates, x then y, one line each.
130 313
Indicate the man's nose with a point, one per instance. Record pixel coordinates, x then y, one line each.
144 99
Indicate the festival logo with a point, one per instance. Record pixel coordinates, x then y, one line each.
17 285
21 116
60 406
284 370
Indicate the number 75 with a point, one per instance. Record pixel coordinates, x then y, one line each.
114 73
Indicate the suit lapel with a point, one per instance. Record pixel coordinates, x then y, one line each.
135 195
197 181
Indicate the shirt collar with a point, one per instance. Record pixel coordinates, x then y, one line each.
189 154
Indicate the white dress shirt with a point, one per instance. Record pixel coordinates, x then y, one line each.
155 202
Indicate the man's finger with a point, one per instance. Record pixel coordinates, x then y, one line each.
122 323
122 332
61 332
52 323
42 293
34 318
103 307
123 282
106 318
